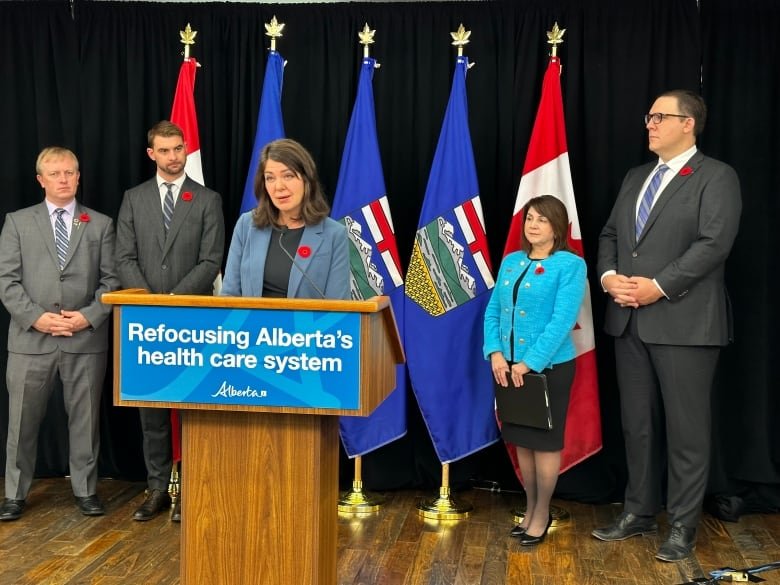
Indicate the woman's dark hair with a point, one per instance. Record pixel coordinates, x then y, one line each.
294 156
555 211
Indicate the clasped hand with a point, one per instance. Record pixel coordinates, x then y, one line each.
62 324
501 368
631 291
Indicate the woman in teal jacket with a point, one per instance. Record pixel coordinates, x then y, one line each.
528 324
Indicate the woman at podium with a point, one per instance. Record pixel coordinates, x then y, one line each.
287 246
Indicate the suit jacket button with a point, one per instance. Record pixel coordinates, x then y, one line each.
62 278
634 254
164 267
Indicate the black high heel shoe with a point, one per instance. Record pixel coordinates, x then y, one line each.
528 540
517 531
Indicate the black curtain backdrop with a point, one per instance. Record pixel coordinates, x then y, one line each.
94 76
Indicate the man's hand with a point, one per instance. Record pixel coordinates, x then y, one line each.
646 292
76 320
622 289
53 324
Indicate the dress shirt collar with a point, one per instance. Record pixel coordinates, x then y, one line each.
70 209
676 163
178 182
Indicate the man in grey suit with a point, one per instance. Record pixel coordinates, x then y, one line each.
661 258
170 239
56 260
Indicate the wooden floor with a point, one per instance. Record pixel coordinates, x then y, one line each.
53 544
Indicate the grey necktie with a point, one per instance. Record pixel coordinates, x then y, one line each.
60 237
647 199
168 206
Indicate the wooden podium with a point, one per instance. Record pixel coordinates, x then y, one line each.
259 480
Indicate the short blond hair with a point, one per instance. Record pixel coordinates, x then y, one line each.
54 152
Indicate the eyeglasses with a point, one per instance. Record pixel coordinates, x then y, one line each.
658 117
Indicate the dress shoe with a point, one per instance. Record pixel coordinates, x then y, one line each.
517 531
679 545
155 502
90 505
176 516
11 509
528 540
626 526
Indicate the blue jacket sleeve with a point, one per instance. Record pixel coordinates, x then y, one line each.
566 306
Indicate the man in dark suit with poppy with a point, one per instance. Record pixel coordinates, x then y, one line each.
170 239
661 258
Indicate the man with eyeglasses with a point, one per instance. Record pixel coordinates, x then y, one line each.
56 260
661 258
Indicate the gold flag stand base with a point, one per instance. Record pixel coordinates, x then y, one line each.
356 501
444 507
558 514
174 484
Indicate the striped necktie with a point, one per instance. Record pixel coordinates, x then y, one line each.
168 206
647 200
60 237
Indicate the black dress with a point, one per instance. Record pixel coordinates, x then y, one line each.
559 380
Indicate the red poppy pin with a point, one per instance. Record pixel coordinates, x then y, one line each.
304 251
186 196
539 269
685 171
84 218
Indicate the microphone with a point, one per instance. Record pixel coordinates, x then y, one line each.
283 230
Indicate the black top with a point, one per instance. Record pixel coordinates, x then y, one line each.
278 264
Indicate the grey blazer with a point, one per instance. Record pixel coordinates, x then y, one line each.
684 246
31 282
186 261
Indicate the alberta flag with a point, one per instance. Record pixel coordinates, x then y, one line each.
448 284
547 171
361 204
270 125
183 114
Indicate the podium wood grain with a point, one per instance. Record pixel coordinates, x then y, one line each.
259 483
258 493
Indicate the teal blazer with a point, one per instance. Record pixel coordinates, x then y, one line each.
545 312
326 264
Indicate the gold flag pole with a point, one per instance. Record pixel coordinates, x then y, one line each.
444 507
559 514
274 30
186 38
356 501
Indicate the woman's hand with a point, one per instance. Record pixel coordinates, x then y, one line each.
518 370
500 368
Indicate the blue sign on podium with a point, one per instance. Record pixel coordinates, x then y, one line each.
248 357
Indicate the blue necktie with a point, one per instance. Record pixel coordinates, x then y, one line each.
60 237
168 207
647 200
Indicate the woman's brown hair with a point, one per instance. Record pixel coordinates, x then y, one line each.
555 211
314 207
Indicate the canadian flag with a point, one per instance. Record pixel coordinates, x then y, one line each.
184 116
547 172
